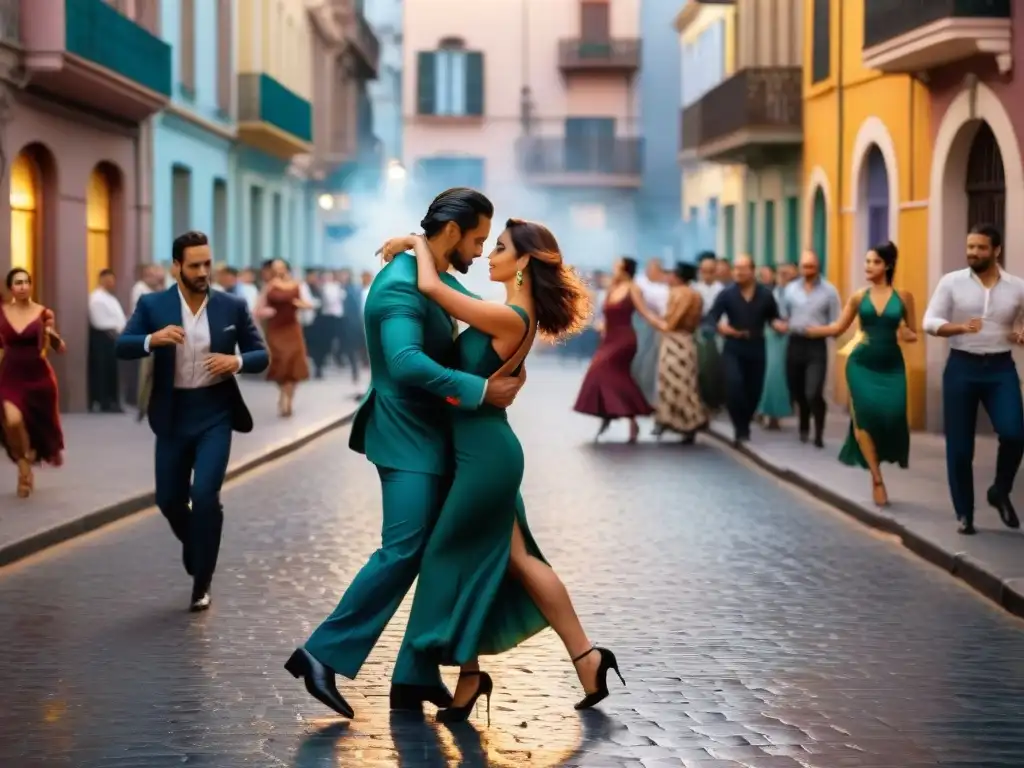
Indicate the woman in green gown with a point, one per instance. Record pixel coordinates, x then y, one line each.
876 376
484 586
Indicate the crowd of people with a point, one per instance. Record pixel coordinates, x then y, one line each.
680 345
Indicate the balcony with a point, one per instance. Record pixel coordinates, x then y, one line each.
361 40
912 36
555 161
613 56
87 53
754 118
272 118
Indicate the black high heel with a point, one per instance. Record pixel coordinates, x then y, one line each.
605 423
608 662
461 714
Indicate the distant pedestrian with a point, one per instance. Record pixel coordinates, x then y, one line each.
280 302
106 321
775 403
977 309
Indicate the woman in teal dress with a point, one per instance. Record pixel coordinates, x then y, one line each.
775 401
484 586
876 376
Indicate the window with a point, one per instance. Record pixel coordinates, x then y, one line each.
595 21
447 172
450 82
224 57
589 144
986 181
181 199
256 250
751 248
187 49
821 43
220 220
792 230
277 226
769 233
729 222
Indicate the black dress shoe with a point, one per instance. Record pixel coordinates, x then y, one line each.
1005 508
966 528
319 679
410 698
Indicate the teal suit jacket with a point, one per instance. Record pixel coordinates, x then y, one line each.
404 421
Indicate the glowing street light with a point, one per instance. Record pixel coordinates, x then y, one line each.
326 202
396 171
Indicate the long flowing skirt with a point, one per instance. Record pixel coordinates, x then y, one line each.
775 401
679 407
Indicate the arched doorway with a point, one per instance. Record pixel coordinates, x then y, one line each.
99 216
986 181
819 229
26 201
876 190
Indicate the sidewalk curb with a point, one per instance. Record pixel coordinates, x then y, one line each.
1008 593
90 521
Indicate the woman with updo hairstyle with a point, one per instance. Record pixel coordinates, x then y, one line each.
609 390
484 586
30 416
876 374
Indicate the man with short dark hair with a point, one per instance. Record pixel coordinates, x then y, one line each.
106 320
978 309
192 334
402 426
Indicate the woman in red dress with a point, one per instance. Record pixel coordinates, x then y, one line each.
609 391
280 302
31 431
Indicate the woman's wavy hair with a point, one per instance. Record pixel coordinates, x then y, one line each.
560 298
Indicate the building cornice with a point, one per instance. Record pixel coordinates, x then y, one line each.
692 9
224 131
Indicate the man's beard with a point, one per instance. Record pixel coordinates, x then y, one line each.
194 286
460 263
980 265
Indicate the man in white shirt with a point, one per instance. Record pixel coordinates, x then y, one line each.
192 334
977 309
106 321
653 286
707 285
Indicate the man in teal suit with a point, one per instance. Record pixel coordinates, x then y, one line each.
402 426
192 334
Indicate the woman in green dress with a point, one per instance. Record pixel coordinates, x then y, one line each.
484 586
876 376
775 401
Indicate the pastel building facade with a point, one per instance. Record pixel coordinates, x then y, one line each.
538 107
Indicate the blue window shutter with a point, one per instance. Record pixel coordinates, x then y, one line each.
474 83
426 79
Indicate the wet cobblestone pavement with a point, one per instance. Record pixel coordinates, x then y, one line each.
753 627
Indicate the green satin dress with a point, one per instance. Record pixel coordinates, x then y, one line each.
876 377
466 604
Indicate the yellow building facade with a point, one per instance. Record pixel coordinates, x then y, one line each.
867 161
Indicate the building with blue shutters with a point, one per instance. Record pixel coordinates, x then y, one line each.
193 136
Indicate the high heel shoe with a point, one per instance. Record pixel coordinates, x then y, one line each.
608 662
25 479
461 714
605 423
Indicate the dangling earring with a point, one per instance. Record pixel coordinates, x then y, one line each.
519 278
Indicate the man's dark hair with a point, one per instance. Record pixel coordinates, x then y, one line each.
705 255
106 272
229 270
995 237
186 241
462 205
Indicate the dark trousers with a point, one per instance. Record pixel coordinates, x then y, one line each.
318 342
992 381
190 467
744 380
349 341
806 368
102 371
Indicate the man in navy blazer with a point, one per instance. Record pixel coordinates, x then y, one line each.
192 333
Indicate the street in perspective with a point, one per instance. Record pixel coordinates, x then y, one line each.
753 626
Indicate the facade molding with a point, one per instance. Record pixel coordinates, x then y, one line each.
873 132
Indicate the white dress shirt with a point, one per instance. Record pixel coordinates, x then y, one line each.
139 290
655 294
708 293
190 356
307 316
106 312
332 299
960 296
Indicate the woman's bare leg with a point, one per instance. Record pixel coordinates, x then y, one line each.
552 598
16 435
467 685
867 448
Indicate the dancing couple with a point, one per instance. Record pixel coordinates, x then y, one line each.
434 425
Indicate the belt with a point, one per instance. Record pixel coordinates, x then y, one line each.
981 355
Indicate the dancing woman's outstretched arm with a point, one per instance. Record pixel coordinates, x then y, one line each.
496 320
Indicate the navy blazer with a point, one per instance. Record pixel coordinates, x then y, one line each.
231 327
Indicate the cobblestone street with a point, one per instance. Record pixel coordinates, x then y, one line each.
754 628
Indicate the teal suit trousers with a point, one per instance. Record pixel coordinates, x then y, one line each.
412 501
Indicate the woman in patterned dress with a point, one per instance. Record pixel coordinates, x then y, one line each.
679 406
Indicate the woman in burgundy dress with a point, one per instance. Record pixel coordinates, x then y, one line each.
609 391
31 431
280 303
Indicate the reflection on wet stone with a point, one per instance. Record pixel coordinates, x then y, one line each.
753 630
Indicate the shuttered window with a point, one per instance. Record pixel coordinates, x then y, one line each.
450 82
769 233
821 41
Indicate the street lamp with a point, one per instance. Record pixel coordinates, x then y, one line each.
396 171
326 202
